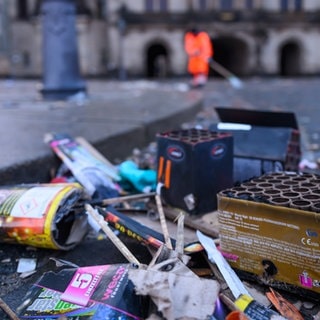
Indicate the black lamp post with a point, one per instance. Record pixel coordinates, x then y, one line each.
61 76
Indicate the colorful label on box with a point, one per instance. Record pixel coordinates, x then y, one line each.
175 153
276 243
218 150
27 212
305 280
253 309
34 202
104 292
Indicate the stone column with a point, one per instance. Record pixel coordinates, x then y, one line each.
61 75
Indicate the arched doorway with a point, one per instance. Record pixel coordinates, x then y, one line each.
290 59
157 61
232 53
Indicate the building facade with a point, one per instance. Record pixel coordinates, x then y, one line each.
144 38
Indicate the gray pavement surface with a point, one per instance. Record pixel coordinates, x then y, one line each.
117 117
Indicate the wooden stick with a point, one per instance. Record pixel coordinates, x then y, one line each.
217 274
107 230
7 310
191 222
228 302
155 257
163 222
180 234
127 198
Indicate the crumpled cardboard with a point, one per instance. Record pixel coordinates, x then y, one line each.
176 290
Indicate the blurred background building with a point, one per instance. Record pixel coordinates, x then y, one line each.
144 38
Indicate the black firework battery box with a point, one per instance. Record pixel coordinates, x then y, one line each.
264 141
193 165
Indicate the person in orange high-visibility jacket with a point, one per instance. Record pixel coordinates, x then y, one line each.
199 49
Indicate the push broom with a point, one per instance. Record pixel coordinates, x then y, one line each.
234 81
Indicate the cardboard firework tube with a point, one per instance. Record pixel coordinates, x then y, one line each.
312 197
315 207
282 187
108 231
280 201
309 185
42 215
271 192
291 195
316 192
300 204
265 185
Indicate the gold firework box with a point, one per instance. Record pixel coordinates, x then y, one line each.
270 228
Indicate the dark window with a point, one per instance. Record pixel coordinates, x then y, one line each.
249 4
226 4
284 5
100 7
22 9
298 5
202 5
149 5
37 8
163 5
156 5
294 5
82 8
